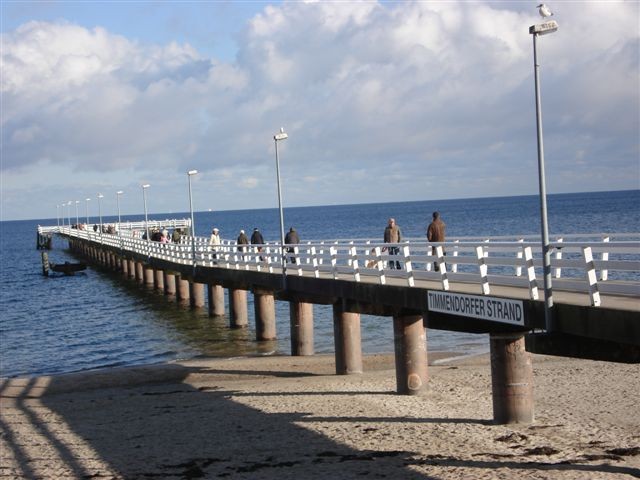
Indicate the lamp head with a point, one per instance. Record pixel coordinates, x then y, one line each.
192 172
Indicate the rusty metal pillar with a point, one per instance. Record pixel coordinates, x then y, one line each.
182 287
239 316
197 294
301 317
265 312
511 379
139 272
216 300
158 279
169 283
148 276
348 345
410 342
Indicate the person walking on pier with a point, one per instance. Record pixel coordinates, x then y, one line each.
292 238
392 234
257 239
436 233
242 241
214 242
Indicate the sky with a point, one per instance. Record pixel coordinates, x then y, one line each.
382 102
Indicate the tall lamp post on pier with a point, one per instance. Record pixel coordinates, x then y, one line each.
146 219
69 212
536 31
277 138
77 216
100 212
118 193
190 173
58 215
87 203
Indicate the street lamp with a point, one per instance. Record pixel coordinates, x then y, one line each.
88 200
190 173
537 30
144 199
58 215
276 138
77 217
100 196
69 212
118 193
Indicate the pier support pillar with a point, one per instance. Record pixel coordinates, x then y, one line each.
348 345
511 379
158 279
125 267
148 276
216 300
197 294
169 283
139 272
410 342
132 269
182 287
301 317
239 317
265 313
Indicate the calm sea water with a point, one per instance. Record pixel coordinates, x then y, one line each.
93 320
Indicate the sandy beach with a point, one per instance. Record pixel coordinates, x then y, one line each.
292 418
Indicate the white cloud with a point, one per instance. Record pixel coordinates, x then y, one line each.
404 92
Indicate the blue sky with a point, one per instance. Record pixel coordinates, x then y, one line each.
383 101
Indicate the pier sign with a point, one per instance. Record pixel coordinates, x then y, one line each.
475 306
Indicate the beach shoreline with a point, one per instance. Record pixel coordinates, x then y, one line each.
291 417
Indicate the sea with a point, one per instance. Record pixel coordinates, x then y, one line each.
61 324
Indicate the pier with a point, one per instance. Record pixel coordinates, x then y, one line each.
480 286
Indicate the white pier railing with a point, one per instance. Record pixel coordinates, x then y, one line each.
591 263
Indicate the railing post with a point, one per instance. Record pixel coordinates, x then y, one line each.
353 260
380 265
558 271
316 268
454 267
482 267
592 279
442 267
334 267
604 274
519 256
531 273
407 263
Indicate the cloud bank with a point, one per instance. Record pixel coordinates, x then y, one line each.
382 102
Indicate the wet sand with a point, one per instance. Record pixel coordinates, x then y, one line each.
291 417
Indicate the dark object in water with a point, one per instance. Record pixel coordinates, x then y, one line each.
67 268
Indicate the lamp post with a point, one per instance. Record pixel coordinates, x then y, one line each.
537 30
87 202
276 138
190 173
77 217
118 193
146 219
100 211
58 215
69 212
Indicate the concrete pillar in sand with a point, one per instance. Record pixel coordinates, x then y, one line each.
169 283
301 318
511 379
265 313
182 289
410 344
348 345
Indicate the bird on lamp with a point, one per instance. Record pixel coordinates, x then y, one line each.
544 11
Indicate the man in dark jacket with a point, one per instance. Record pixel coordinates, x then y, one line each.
257 239
292 238
435 233
243 241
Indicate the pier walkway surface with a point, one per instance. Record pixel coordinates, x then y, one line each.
481 285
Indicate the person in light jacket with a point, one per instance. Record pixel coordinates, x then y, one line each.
214 241
392 234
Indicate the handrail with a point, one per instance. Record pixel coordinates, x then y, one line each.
614 264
